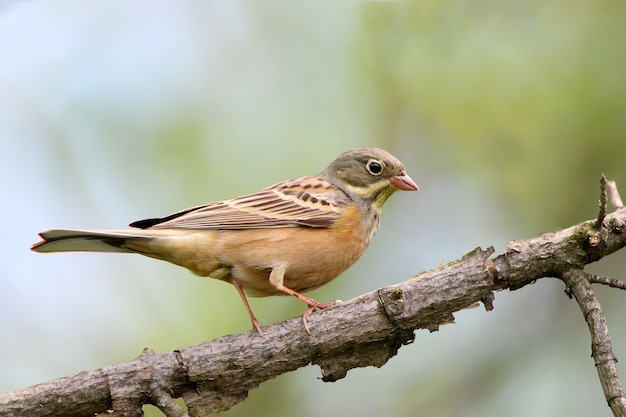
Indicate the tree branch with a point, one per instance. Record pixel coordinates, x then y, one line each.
616 200
609 282
578 285
366 331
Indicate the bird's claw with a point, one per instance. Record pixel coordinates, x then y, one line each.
312 306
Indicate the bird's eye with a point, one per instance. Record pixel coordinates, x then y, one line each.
374 167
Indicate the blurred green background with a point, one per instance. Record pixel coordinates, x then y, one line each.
505 114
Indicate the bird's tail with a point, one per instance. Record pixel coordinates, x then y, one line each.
61 240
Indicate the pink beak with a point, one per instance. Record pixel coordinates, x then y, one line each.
404 182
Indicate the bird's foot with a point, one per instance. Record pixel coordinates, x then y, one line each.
312 306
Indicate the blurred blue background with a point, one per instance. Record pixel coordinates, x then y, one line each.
504 113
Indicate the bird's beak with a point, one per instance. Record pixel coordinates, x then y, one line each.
404 182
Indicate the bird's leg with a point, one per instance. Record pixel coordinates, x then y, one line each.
276 279
255 323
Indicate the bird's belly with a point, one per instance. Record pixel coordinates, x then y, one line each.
313 256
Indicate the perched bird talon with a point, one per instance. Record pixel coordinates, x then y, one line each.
289 238
257 325
305 318
313 305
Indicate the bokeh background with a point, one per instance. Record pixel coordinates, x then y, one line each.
505 114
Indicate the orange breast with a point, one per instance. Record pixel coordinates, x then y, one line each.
313 256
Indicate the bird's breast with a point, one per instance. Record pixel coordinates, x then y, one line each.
313 256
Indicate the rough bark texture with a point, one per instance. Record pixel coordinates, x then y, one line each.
366 331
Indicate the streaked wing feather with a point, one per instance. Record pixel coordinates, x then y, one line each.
307 201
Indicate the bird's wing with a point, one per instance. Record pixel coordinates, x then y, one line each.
306 201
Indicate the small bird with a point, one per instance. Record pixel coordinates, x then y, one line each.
286 239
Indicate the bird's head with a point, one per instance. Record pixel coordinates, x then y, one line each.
370 174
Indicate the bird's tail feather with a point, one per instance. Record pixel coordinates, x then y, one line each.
61 240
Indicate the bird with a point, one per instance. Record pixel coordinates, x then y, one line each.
286 239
